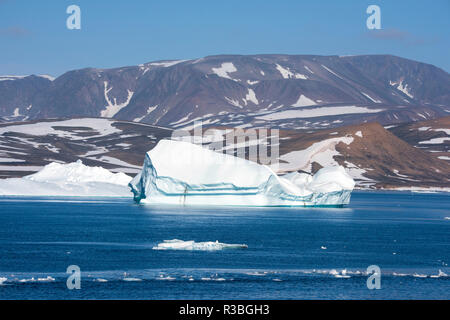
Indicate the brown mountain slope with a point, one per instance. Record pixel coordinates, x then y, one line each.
432 136
375 156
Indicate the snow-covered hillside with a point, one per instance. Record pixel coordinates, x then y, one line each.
372 155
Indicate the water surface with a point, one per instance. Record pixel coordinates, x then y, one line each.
293 253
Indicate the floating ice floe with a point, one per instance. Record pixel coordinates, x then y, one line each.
395 274
333 272
46 279
176 244
417 275
168 278
130 279
181 173
72 179
439 275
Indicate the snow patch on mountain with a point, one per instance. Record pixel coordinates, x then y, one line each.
370 98
357 174
401 87
309 70
224 70
12 78
102 126
10 160
286 73
322 152
234 102
113 107
304 101
185 118
46 76
166 64
435 140
149 110
396 172
331 71
317 112
447 131
251 96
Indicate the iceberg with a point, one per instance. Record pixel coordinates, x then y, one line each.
176 244
182 173
72 179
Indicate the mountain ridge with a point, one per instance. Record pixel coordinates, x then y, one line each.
238 90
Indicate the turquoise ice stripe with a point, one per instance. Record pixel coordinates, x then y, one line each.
209 194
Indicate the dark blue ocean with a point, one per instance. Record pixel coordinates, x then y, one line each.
293 253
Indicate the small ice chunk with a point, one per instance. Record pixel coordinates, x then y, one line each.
168 278
417 275
131 279
47 279
176 244
439 275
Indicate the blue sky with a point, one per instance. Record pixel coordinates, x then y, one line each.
34 37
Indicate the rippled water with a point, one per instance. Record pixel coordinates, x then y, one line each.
293 253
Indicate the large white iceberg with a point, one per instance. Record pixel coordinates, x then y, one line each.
177 172
72 179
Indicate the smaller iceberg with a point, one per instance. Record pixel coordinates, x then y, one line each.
72 180
182 173
176 244
439 275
